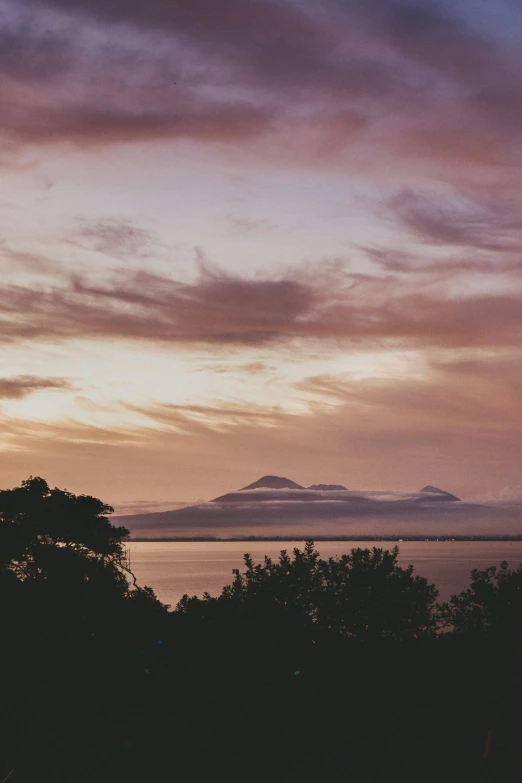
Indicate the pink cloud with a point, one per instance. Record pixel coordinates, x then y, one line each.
357 85
221 309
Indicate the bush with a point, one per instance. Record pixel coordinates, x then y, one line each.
363 595
491 607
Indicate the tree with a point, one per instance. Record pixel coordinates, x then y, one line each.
49 534
60 557
491 607
76 631
363 595
367 595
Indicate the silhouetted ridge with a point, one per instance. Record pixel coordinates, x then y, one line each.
326 487
272 482
441 492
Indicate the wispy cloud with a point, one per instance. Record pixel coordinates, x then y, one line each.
247 368
458 220
116 238
19 386
223 309
397 432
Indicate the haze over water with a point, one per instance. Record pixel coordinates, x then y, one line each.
175 568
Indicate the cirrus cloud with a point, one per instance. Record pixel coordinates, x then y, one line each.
17 387
222 309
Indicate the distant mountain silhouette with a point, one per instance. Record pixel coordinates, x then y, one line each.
267 495
327 487
272 482
441 493
277 506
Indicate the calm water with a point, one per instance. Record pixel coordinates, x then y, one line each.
174 568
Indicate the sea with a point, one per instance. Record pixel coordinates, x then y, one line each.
173 569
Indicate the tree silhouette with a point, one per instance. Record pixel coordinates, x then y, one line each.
364 595
75 629
491 607
48 534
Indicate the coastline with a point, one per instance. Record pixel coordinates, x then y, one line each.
297 539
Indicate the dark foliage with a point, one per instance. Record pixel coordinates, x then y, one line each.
302 670
69 619
364 596
491 607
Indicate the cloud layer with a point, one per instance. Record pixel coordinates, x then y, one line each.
360 81
219 308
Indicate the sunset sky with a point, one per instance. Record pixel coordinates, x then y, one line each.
241 237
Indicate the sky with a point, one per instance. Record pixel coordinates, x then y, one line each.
247 237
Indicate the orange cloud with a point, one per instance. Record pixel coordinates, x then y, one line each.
19 386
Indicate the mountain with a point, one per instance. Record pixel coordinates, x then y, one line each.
327 487
275 506
272 482
276 489
292 514
440 494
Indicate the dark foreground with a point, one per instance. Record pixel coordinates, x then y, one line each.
303 670
207 707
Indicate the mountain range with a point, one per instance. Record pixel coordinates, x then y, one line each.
278 488
278 506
